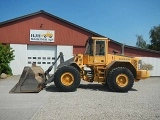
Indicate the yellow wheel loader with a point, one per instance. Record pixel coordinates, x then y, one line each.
118 72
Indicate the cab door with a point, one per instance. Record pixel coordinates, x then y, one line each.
99 52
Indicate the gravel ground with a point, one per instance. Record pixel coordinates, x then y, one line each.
19 106
95 102
90 102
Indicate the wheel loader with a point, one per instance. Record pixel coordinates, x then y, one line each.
116 71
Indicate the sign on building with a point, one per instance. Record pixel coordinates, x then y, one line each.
42 35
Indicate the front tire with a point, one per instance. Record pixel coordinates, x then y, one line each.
67 79
120 79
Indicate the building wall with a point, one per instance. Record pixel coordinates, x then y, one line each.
18 32
155 62
112 46
69 39
78 49
67 52
20 59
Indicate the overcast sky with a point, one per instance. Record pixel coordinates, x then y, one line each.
119 20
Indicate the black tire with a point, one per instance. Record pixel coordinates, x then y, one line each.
67 79
120 79
105 84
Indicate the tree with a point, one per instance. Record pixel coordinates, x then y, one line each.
6 55
155 38
141 43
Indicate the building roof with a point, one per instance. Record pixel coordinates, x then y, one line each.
72 24
44 12
58 18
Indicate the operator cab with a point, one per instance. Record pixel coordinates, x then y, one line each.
96 49
96 46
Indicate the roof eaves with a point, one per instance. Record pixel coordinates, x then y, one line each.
142 49
21 17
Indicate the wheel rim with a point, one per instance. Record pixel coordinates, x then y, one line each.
67 79
122 80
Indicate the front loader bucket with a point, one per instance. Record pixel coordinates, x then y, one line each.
28 81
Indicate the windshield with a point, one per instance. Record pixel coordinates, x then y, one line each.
89 48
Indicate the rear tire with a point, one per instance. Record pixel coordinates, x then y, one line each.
67 79
120 79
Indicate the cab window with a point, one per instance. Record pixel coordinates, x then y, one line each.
100 47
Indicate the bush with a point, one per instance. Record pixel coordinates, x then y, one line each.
6 56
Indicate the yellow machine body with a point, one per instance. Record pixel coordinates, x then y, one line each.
116 71
102 63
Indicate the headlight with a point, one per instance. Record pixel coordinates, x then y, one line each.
139 64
